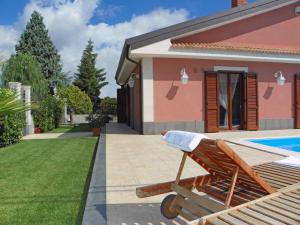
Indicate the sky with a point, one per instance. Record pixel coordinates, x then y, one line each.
107 22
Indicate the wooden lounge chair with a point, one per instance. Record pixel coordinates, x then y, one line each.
230 181
280 208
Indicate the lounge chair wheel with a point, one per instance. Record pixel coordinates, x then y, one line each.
165 207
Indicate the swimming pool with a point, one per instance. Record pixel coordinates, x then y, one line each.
288 143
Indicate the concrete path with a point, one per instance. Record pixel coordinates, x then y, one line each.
127 160
57 135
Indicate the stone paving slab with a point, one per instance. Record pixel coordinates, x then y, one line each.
57 135
133 160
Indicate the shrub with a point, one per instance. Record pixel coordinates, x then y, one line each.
48 113
77 101
12 125
109 106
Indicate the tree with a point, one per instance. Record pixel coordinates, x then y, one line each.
90 79
36 41
24 68
77 100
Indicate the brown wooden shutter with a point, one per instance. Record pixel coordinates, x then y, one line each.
297 101
251 102
211 102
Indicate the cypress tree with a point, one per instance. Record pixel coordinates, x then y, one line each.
90 79
36 41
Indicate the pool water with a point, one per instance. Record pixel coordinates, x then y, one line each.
290 143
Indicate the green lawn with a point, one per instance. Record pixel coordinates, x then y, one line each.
72 128
44 181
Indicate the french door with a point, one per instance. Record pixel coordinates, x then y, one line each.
231 101
230 98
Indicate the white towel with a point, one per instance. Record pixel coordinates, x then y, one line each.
291 160
185 141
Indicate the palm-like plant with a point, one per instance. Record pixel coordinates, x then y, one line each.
11 105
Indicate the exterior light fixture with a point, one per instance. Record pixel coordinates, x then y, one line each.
280 78
184 77
131 82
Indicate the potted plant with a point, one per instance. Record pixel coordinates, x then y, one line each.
96 125
97 121
37 130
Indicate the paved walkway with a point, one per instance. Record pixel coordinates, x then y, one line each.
127 160
57 135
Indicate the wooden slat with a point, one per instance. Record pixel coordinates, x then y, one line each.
244 166
271 214
221 195
260 216
203 201
194 209
280 211
185 215
280 177
162 188
293 195
182 163
246 218
264 210
275 170
240 191
287 202
286 168
283 206
216 221
274 181
231 220
290 199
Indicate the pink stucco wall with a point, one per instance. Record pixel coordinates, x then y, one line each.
276 28
176 102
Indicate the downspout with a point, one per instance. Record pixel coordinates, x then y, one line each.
141 89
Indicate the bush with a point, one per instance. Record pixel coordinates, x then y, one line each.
109 106
48 113
77 101
98 120
12 125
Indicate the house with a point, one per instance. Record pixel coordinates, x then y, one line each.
236 70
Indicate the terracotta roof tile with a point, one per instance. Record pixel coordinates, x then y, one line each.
238 47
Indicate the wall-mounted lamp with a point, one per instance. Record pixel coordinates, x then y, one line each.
184 77
280 78
131 81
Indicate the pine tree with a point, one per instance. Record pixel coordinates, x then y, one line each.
90 79
36 41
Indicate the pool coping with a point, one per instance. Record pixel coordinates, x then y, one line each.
278 151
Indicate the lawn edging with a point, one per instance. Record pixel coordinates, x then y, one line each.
95 195
87 185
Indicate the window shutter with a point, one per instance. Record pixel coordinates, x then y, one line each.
297 101
251 102
211 102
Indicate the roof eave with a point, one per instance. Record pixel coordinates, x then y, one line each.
209 22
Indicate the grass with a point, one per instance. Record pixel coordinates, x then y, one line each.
72 128
44 181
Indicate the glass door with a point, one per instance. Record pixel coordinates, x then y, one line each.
223 101
230 100
236 101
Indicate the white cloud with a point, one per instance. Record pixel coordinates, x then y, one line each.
69 26
109 11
